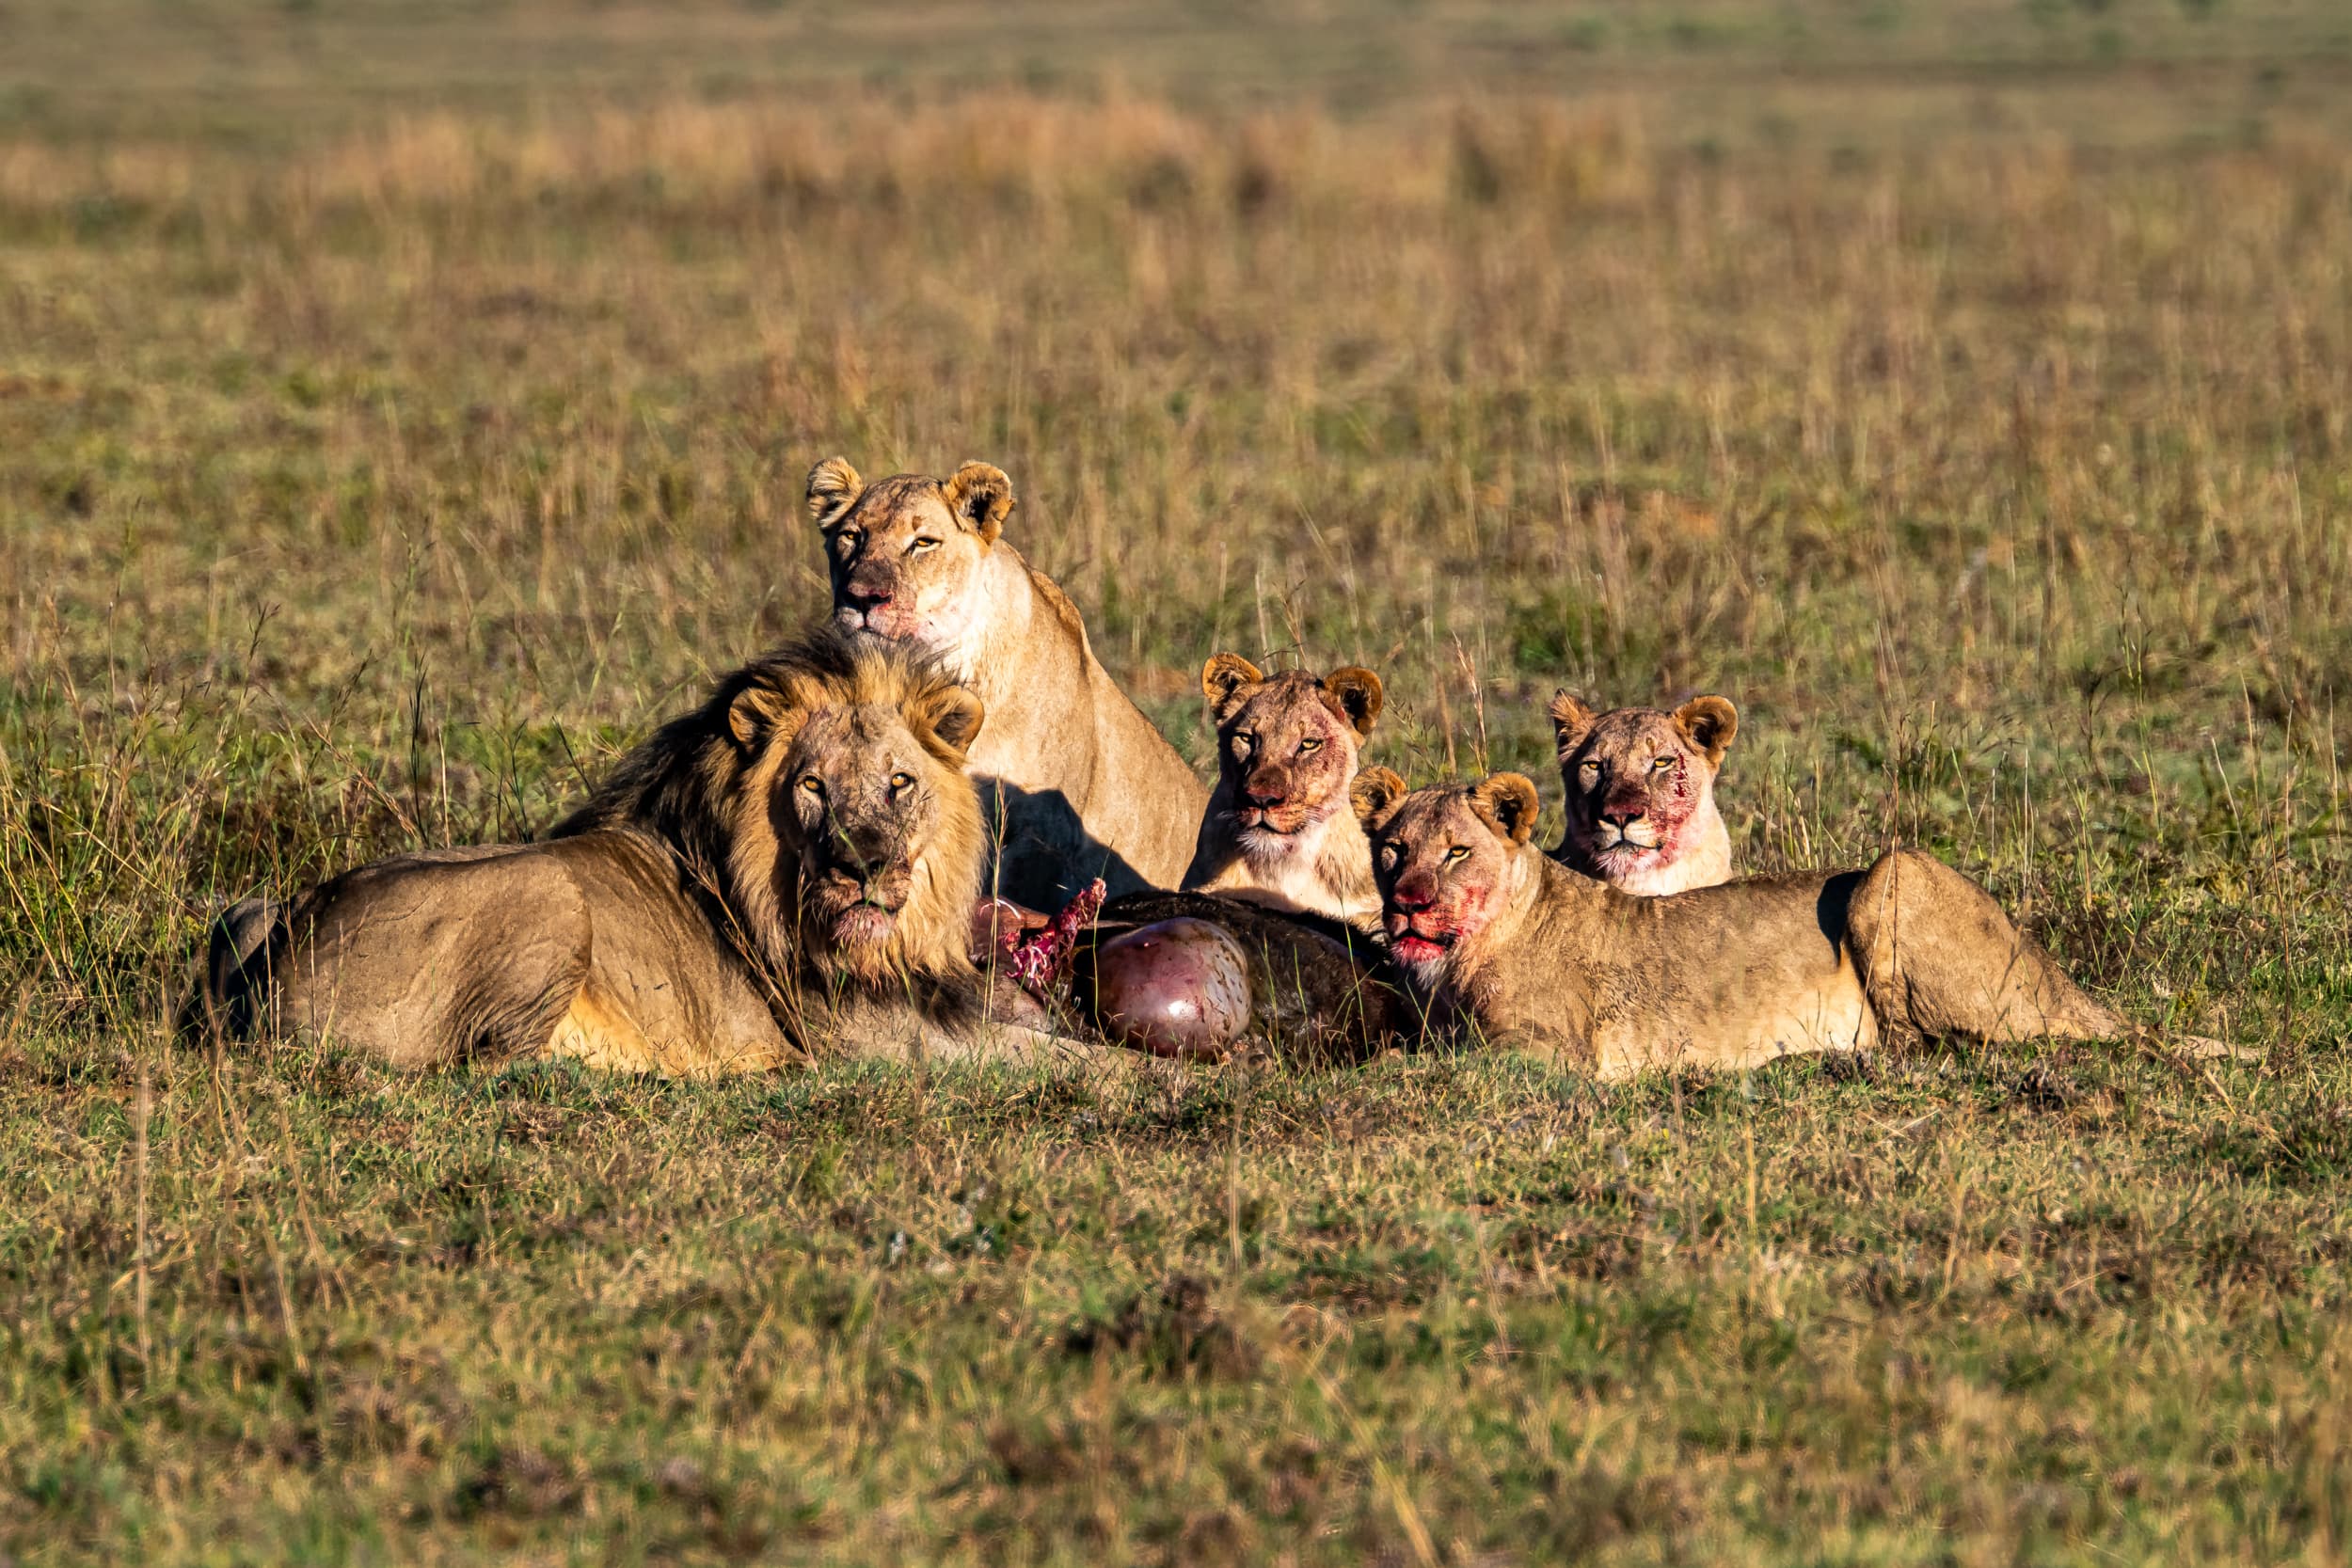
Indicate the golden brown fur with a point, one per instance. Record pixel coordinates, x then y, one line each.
1718 977
1079 782
777 790
1277 829
1640 788
789 869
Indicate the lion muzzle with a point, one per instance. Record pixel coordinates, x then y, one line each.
861 905
1635 831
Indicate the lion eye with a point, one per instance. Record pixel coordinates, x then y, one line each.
1242 744
1388 855
1590 770
902 782
814 785
1308 747
1662 765
1460 853
847 540
922 544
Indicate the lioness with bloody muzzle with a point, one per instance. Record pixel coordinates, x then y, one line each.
1080 784
1726 977
1640 787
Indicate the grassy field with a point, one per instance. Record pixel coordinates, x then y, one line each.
401 408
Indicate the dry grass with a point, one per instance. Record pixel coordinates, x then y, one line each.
386 441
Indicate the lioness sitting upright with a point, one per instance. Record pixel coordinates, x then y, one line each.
1723 976
1084 786
1640 793
1279 830
789 870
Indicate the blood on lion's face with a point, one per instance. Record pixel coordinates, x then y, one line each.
1639 788
1443 860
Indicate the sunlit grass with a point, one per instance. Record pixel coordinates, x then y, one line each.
369 477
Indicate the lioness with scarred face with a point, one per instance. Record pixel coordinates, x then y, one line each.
1081 784
1640 793
789 870
1279 830
1724 976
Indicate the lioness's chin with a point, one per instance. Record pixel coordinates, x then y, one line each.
1419 952
865 623
1425 966
1261 841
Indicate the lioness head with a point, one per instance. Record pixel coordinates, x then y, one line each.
1641 791
905 553
1443 859
1287 746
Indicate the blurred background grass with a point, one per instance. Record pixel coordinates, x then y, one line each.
403 406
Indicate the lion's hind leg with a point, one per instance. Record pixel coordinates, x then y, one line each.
1938 957
231 992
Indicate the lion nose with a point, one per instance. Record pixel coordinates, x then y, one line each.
1265 786
1619 814
865 854
1412 896
868 585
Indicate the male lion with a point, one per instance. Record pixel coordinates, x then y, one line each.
1640 793
1083 786
1723 976
1279 830
789 869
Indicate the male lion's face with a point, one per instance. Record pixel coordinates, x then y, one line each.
905 553
858 800
1442 861
1639 781
1287 746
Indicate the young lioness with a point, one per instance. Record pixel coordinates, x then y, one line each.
1640 793
1279 830
1719 977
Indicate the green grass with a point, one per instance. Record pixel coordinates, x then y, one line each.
401 408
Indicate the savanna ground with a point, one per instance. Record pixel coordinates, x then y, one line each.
403 407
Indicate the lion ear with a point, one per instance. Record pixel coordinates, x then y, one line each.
953 716
1508 803
1376 791
1571 721
981 498
1358 694
1709 723
759 715
1222 678
833 487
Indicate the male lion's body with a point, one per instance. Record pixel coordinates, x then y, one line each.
1080 784
1724 976
789 869
587 946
